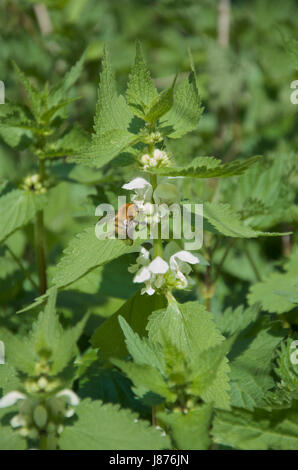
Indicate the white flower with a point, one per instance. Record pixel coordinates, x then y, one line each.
149 272
11 398
158 266
136 183
142 188
157 274
70 396
17 421
179 264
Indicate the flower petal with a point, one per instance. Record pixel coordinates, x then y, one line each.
142 275
71 396
136 183
148 290
11 398
158 266
186 256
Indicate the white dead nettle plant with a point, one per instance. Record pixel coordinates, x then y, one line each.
159 274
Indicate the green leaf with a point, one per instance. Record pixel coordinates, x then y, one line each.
70 143
251 364
17 208
189 431
207 167
207 366
235 320
192 330
160 105
109 337
258 430
107 427
228 222
269 293
112 112
140 89
86 252
19 352
33 94
8 378
11 440
48 335
146 379
104 147
186 111
50 113
287 370
60 92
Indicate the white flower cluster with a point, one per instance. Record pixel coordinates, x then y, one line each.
164 194
33 183
158 274
35 414
159 159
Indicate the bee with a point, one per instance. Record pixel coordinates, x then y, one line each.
124 222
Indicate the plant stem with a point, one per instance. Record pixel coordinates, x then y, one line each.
224 257
43 441
154 421
157 242
252 263
40 240
23 269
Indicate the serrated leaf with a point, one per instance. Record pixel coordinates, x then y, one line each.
251 364
207 365
59 93
106 427
84 253
269 292
258 430
232 320
146 379
33 94
140 89
228 222
104 147
17 208
189 431
109 338
112 112
160 105
8 378
207 167
186 111
10 439
192 330
69 144
19 352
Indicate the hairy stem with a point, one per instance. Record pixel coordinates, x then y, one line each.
224 257
40 240
23 269
252 263
43 441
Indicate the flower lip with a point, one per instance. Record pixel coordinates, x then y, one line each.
142 275
186 256
71 396
158 266
11 398
136 183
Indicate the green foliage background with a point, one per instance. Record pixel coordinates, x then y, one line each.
215 369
